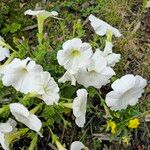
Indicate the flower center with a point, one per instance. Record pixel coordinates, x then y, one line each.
23 70
92 72
75 53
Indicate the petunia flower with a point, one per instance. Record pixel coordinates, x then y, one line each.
97 73
126 91
5 130
111 58
22 114
4 52
21 74
47 88
74 55
79 107
102 28
77 145
42 15
68 76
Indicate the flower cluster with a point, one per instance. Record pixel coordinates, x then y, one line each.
83 65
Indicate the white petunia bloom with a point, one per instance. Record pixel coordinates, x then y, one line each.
77 145
42 13
22 114
97 73
5 130
21 74
111 58
4 52
101 27
126 91
79 107
47 88
74 55
68 76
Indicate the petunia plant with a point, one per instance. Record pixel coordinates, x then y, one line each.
43 98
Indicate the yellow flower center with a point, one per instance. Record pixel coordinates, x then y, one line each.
75 53
134 123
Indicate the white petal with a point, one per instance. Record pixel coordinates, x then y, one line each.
124 83
101 27
34 123
77 145
108 48
80 121
112 98
4 52
112 59
17 108
68 76
74 55
79 107
140 82
33 12
98 62
3 142
72 44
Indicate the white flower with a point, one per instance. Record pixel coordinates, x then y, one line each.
68 76
21 74
77 145
47 88
97 73
79 107
42 13
4 52
111 58
126 91
101 27
6 129
22 114
74 55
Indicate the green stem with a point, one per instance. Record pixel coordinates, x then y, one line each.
68 105
109 36
40 21
15 135
33 143
104 105
68 99
35 109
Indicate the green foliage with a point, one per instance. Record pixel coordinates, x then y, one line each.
12 28
74 14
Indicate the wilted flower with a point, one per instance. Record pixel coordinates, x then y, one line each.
79 107
4 52
101 27
97 73
47 88
134 123
22 114
21 74
126 91
111 58
5 130
74 55
77 145
68 76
